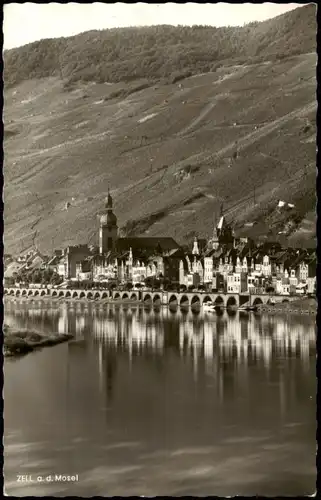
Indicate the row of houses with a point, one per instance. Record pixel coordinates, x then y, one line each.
223 262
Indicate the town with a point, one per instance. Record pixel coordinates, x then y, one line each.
222 264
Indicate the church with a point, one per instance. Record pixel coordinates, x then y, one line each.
132 258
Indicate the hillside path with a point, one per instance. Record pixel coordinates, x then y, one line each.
208 108
255 135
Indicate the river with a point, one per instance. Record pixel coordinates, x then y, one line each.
159 402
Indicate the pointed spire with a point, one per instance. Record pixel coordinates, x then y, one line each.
109 200
195 247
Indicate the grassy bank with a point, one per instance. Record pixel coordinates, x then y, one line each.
20 342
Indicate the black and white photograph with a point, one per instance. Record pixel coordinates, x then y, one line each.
159 264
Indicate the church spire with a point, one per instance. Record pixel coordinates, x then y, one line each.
109 200
195 247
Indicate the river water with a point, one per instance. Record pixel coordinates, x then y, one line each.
160 402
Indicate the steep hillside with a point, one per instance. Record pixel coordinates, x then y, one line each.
171 152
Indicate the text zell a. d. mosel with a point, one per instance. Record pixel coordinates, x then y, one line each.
50 478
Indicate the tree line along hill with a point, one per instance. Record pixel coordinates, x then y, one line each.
161 52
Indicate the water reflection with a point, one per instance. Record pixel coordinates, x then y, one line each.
243 338
140 388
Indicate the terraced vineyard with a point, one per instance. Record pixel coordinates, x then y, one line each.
171 153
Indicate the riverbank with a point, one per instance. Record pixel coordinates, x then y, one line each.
21 342
304 305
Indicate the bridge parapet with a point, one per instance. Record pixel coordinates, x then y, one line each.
156 297
191 298
56 292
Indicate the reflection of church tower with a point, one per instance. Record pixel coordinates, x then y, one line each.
108 227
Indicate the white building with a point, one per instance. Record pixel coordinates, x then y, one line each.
303 272
233 282
237 282
208 269
293 280
266 266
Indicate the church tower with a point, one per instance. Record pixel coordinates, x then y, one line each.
108 230
215 238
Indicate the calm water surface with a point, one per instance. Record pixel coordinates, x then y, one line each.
154 402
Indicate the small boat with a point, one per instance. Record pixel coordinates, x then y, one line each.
209 306
248 308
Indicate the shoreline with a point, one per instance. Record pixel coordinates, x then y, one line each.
17 343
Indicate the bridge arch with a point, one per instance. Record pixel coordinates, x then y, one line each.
104 295
82 295
157 299
54 293
125 296
97 295
184 301
172 299
219 301
117 296
207 298
61 294
258 301
17 293
134 296
36 293
75 295
89 295
147 298
195 301
11 292
24 292
42 293
231 302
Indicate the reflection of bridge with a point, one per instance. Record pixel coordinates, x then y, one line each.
188 299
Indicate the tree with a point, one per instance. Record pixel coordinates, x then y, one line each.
148 282
56 279
36 276
156 284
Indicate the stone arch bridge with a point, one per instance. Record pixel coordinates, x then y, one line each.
54 292
189 299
